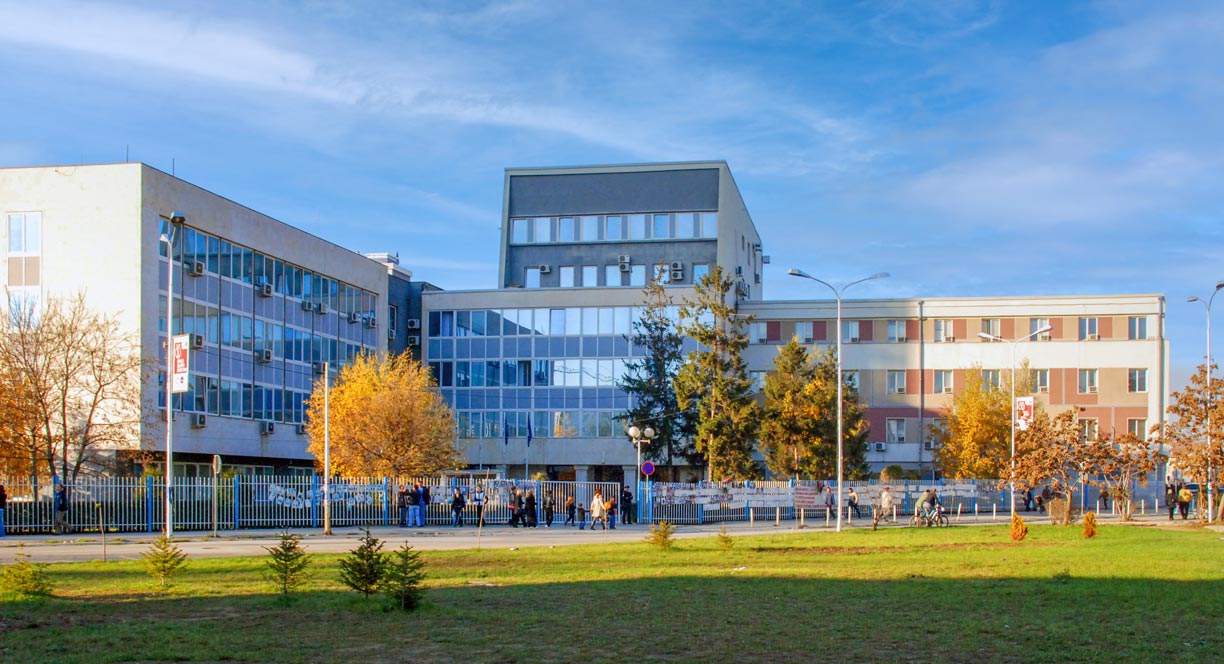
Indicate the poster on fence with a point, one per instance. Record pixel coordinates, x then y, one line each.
806 497
707 493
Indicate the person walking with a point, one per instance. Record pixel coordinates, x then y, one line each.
517 511
1028 499
414 506
883 508
401 500
852 499
530 507
570 510
1171 499
550 508
582 516
628 516
611 513
61 509
597 511
1184 496
425 500
1104 498
830 502
457 505
478 501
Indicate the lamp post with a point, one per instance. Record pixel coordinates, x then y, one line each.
327 529
795 272
1207 397
176 219
1013 344
638 435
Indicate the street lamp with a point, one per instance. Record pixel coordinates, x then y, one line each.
1030 335
176 219
639 435
327 529
795 272
1210 484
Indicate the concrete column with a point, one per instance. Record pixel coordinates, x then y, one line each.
630 478
581 473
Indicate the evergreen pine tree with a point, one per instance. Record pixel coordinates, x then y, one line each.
402 580
288 563
822 454
364 567
650 382
791 415
163 559
714 380
24 578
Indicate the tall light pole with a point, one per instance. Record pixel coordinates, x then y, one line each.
1207 397
176 219
795 272
638 435
327 529
1030 335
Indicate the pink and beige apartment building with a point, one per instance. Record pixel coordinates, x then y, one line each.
1104 355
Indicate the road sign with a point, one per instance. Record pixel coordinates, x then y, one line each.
216 464
180 362
648 469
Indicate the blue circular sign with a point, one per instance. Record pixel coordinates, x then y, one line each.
648 469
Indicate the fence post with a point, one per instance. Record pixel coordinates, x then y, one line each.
149 502
700 514
237 503
314 501
387 505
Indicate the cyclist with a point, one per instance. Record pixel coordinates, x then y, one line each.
924 504
936 506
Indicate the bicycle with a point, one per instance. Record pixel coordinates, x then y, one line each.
938 518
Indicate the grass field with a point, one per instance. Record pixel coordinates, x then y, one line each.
951 595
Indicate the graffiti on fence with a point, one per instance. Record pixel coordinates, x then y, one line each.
349 495
708 493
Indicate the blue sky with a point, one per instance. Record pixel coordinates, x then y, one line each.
969 148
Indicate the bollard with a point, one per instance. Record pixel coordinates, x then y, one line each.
1143 506
975 509
958 512
802 513
994 512
751 515
894 509
828 517
778 516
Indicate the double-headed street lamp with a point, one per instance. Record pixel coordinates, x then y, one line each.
640 435
795 272
1207 397
1013 344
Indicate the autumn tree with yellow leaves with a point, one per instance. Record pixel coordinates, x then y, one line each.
976 441
386 419
1186 434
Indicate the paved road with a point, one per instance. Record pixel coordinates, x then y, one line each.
128 546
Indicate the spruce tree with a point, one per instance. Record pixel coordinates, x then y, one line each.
24 578
822 452
402 580
714 380
287 563
649 382
791 415
364 567
163 559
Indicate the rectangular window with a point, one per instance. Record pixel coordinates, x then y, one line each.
532 280
1038 323
1136 380
992 326
518 231
943 331
567 229
896 382
700 270
896 331
943 381
758 380
756 332
1087 381
709 224
543 229
1137 328
661 227
637 227
803 331
590 276
392 318
852 378
613 229
590 228
637 275
850 331
1041 380
662 273
1088 329
896 429
612 275
684 225
1088 429
1137 428
991 377
566 275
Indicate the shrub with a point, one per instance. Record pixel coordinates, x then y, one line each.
662 535
163 559
288 563
1019 530
364 567
401 582
26 579
1090 525
725 540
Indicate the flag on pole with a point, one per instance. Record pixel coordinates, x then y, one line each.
505 432
529 432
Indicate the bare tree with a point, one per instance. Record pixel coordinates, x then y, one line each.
80 376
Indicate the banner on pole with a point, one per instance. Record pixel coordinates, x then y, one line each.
180 358
1024 412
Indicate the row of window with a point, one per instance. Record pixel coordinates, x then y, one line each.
515 425
1136 380
231 398
854 331
530 373
570 321
895 428
244 265
587 276
614 227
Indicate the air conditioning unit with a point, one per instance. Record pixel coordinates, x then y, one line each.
928 445
545 269
196 269
756 246
880 447
1092 389
1043 389
677 275
263 355
321 308
947 389
852 340
900 390
371 322
264 290
198 420
307 305
949 338
623 259
1044 336
318 368
1094 337
267 428
677 265
413 324
413 340
624 267
197 341
900 340
354 317
300 429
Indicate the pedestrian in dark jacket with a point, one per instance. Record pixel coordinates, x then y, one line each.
570 510
414 507
457 504
549 509
626 501
529 507
61 509
401 500
1171 499
516 509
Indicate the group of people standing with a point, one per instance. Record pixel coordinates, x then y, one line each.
525 508
1177 499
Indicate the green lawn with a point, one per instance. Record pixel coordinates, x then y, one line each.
953 595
